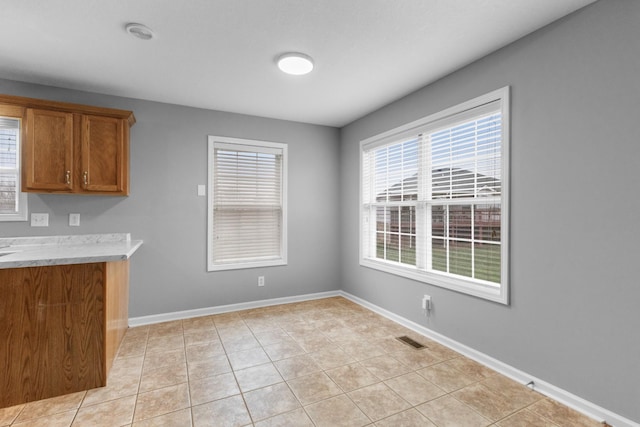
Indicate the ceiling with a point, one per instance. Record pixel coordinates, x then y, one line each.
220 54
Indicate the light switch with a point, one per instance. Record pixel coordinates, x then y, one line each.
202 191
39 219
74 219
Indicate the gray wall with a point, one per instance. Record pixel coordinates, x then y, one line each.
168 161
573 319
574 232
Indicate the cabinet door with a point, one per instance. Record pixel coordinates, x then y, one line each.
104 155
52 323
48 151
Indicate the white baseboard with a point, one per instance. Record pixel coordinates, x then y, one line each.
571 400
207 311
579 404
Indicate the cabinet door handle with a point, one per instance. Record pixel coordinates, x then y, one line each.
85 178
67 177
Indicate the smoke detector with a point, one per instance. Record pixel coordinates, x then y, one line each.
140 31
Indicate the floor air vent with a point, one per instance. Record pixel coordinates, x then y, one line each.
408 341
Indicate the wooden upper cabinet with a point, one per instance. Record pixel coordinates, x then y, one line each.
71 148
104 154
48 151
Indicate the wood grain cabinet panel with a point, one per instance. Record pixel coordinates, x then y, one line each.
71 148
117 308
104 154
48 150
58 333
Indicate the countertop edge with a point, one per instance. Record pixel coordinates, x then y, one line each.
46 255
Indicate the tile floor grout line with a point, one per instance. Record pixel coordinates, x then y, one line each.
337 336
184 347
144 358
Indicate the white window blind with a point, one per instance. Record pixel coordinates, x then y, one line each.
434 201
12 201
247 207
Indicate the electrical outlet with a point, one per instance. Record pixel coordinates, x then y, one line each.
260 280
39 219
74 219
426 302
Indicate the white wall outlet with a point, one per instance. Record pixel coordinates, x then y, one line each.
260 280
39 219
426 302
202 190
74 219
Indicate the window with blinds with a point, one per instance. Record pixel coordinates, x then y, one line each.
434 199
247 203
13 203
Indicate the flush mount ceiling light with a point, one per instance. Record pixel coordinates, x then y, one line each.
295 63
140 31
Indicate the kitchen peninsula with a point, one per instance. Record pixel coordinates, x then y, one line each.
63 312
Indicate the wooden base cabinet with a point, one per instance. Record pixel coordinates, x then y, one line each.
60 328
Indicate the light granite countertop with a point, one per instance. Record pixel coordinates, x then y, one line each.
17 252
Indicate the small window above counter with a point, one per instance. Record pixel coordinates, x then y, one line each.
72 148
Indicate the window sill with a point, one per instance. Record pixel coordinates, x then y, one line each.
245 264
489 292
19 217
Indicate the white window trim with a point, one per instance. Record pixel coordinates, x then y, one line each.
263 146
22 214
23 208
471 287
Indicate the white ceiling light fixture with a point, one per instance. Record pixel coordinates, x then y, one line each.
295 63
140 31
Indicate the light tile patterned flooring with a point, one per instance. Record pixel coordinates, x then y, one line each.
326 362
